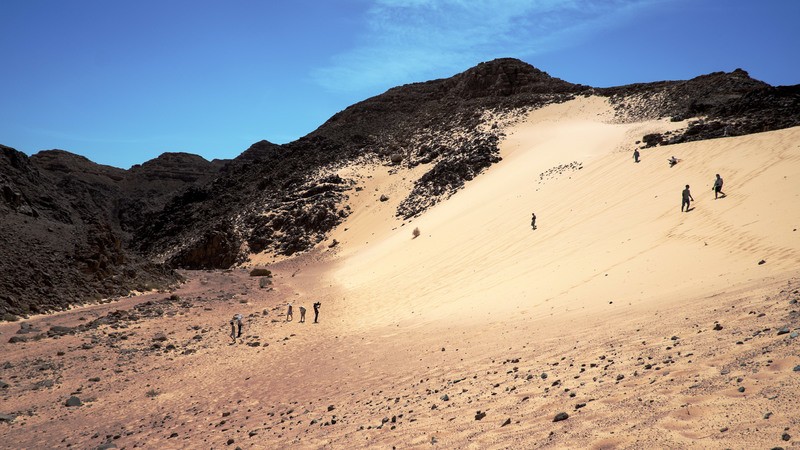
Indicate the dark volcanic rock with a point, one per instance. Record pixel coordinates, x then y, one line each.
66 223
725 104
59 330
73 401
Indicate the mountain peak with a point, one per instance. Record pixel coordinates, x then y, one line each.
504 77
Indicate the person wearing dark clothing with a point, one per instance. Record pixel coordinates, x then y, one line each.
672 161
302 314
236 322
636 155
533 220
718 187
289 315
316 311
686 197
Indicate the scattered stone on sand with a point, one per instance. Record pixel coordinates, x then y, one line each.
4 385
260 272
762 262
264 282
73 401
480 415
160 337
7 418
59 330
786 436
560 416
507 422
26 327
796 368
717 326
43 384
444 398
783 330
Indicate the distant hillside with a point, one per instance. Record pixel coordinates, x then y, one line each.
66 223
82 231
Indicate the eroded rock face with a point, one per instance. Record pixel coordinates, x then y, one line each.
64 237
215 248
721 104
450 174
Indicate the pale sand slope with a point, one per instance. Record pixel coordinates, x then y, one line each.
612 231
605 312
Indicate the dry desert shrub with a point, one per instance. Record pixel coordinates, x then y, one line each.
415 233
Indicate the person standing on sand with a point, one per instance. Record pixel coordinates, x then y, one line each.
316 311
636 155
236 322
672 161
533 220
686 196
289 313
302 314
718 187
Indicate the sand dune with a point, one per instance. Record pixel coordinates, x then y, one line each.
609 231
647 326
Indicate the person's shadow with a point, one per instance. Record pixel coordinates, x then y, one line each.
690 209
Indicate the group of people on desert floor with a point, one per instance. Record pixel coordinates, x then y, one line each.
290 316
237 322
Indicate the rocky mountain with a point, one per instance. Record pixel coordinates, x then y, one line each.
80 231
66 223
722 104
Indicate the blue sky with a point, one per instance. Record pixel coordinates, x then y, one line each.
124 81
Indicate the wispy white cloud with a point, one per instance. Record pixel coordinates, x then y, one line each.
407 40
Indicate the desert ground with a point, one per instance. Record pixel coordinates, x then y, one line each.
620 322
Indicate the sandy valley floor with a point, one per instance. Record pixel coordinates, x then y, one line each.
648 327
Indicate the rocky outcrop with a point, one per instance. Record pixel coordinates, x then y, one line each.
272 198
719 104
65 239
450 174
